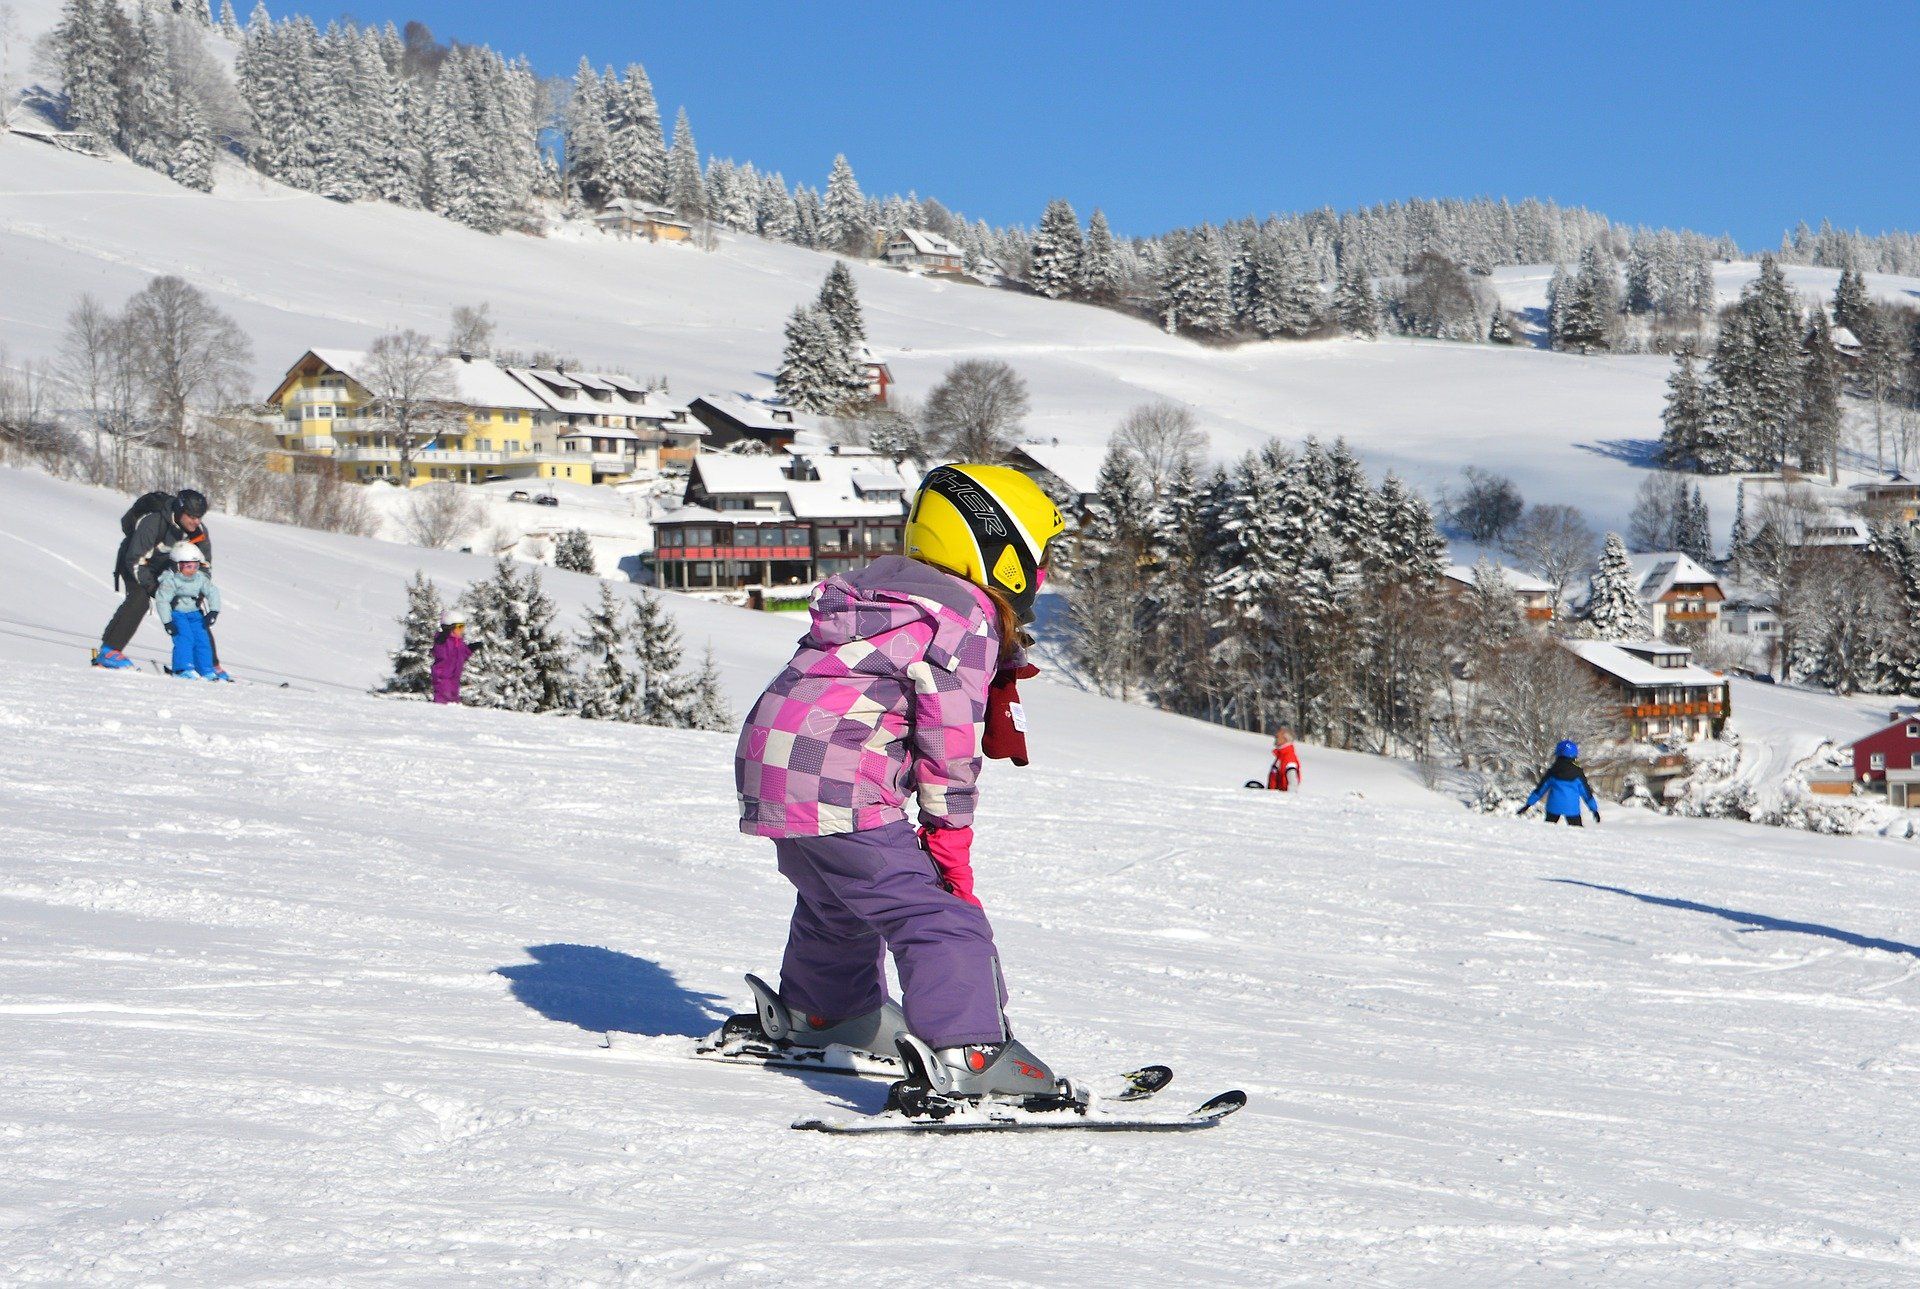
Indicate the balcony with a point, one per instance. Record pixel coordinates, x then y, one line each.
339 397
446 456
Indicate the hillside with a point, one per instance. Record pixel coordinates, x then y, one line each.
303 985
297 270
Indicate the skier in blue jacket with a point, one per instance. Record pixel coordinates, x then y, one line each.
1565 787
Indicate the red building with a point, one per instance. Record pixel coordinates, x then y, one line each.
1895 748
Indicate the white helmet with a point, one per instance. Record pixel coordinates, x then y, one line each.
186 553
453 618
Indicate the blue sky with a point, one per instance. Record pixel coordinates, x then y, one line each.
1723 118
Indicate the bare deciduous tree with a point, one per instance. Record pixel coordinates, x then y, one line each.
96 362
1555 544
1164 437
897 428
436 515
412 390
1488 506
1529 698
470 330
975 412
190 356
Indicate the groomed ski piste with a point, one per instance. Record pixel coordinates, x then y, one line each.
303 985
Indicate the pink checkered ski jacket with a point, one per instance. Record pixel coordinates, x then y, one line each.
886 695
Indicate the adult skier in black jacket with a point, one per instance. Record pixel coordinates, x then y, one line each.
155 525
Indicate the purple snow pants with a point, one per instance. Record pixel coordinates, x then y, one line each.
864 893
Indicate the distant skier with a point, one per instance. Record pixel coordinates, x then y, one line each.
883 698
450 654
187 603
1565 787
1286 762
151 528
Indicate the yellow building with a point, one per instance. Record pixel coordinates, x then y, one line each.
507 432
519 423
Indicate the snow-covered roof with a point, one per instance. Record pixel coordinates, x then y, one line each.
1076 466
599 432
754 414
573 393
730 472
1517 582
926 243
703 515
1843 338
1657 572
477 382
1635 670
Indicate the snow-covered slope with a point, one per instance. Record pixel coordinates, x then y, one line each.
306 986
299 271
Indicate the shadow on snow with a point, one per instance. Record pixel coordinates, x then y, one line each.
600 990
1641 453
1753 921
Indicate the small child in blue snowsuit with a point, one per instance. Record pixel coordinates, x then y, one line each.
1565 787
188 602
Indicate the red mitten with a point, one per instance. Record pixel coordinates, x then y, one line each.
1005 738
952 852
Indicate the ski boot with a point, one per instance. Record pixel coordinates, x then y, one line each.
960 1079
184 675
217 674
773 1034
111 659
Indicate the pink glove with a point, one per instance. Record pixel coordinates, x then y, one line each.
952 852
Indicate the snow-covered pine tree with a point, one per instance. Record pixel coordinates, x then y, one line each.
1109 631
87 56
340 127
840 302
1355 306
589 164
573 553
1685 420
811 362
1560 300
1054 270
742 209
192 163
1818 428
843 216
229 24
1588 320
1176 612
664 696
1754 377
779 220
707 707
1851 303
1410 542
390 163
1492 616
1614 610
146 95
419 625
520 662
637 146
686 190
809 218
1693 531
1194 293
610 683
1100 278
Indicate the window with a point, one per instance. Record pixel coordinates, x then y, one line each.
1878 761
1913 731
511 418
746 537
796 537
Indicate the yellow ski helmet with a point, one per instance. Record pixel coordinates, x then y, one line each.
988 523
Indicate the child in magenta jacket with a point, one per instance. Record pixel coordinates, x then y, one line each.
450 654
885 699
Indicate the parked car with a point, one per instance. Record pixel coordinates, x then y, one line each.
546 499
519 494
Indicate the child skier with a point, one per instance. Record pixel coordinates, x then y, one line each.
188 603
450 653
886 696
1565 787
1286 762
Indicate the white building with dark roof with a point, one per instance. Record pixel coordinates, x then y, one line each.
918 248
1677 589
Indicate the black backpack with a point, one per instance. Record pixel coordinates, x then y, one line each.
153 503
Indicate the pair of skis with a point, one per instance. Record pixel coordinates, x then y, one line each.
913 1107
